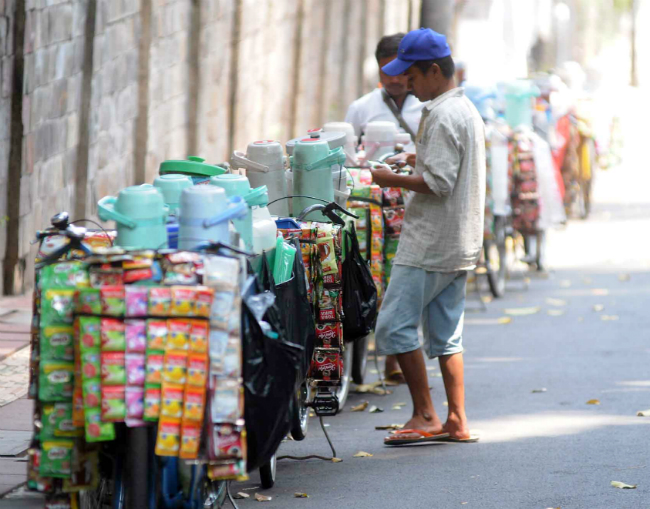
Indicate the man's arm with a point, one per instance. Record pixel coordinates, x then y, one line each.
383 176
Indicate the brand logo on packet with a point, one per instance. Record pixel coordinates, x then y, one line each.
60 339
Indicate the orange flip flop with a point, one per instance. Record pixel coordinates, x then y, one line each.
471 440
398 437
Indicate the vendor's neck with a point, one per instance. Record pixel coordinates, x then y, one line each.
399 99
450 85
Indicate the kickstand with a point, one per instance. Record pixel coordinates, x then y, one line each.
315 456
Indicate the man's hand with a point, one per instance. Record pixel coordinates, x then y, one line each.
404 156
382 175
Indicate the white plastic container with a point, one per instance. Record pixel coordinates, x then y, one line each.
351 140
380 139
265 230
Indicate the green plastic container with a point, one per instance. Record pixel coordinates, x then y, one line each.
194 167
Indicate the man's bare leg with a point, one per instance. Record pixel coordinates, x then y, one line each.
415 371
452 368
392 370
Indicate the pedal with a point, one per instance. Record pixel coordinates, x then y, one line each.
325 403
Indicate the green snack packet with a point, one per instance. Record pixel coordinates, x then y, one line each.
92 392
91 363
55 382
113 335
57 343
113 404
71 274
56 458
96 430
88 301
57 421
57 306
113 368
89 332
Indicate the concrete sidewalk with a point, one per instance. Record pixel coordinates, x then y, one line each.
15 409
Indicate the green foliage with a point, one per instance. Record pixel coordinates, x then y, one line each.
623 5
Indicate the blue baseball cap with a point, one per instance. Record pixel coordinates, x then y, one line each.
422 44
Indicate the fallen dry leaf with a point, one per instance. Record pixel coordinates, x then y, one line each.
522 311
487 299
363 454
623 277
504 320
312 413
375 410
360 407
431 368
336 460
380 391
556 302
593 402
241 495
526 280
623 486
535 391
389 427
373 371
643 413
262 498
300 495
598 308
609 318
398 406
601 292
444 403
555 312
565 283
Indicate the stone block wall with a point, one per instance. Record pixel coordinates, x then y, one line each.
111 88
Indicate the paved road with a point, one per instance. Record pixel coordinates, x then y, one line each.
538 450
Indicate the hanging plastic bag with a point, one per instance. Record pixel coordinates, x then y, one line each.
272 366
296 311
359 292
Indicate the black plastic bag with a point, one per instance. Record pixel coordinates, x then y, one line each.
272 366
359 292
296 311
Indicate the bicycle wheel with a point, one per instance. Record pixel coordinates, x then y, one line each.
300 413
267 473
343 390
359 359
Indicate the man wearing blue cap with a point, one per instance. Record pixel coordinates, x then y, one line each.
441 238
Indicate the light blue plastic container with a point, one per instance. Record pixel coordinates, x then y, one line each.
519 103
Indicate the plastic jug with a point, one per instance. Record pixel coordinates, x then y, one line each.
311 164
140 215
194 167
171 185
204 215
264 163
380 139
265 230
519 104
351 141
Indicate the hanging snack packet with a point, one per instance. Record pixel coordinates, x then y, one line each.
326 250
234 470
157 333
56 458
221 309
113 369
137 300
70 274
57 343
57 421
155 363
221 273
232 360
199 336
96 430
135 402
203 302
57 306
135 369
171 401
183 299
89 332
136 336
227 441
169 437
190 441
218 345
89 302
152 400
194 404
85 474
175 370
55 381
113 404
197 369
113 335
178 336
226 401
113 300
160 299
106 275
91 363
92 390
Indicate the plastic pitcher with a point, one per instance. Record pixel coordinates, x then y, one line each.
194 167
380 139
264 228
140 216
264 163
171 185
204 215
311 165
519 104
